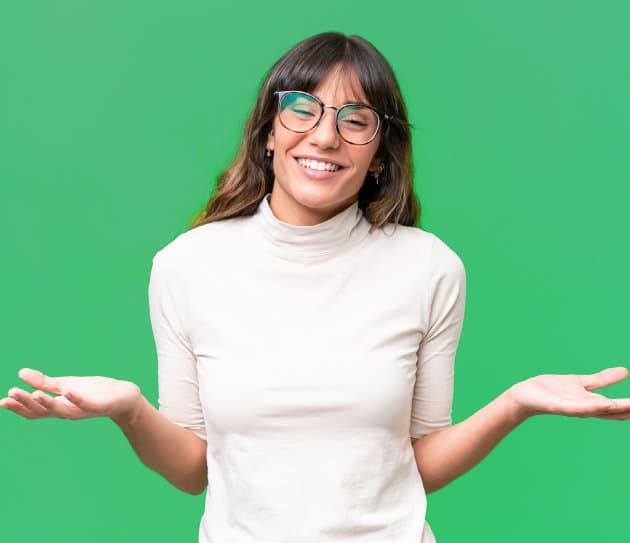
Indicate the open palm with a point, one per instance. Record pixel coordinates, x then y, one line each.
75 397
571 395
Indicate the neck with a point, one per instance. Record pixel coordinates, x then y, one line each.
291 212
310 242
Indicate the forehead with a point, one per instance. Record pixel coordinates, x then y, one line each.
340 85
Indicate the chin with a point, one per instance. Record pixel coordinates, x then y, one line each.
321 201
323 195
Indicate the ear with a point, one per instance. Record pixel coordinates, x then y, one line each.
376 165
271 141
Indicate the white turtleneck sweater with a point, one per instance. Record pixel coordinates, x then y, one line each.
307 357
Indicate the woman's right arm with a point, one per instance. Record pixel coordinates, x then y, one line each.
173 451
177 453
170 441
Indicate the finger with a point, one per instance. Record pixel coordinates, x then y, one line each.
28 401
584 409
616 416
604 378
60 407
596 405
46 401
619 405
18 408
39 380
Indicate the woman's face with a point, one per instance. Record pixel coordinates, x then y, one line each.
306 196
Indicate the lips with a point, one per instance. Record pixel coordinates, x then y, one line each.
317 164
318 170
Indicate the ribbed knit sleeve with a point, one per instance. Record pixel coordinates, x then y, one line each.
177 366
433 391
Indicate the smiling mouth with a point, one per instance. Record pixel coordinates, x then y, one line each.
318 165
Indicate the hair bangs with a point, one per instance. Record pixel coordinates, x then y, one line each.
304 67
308 64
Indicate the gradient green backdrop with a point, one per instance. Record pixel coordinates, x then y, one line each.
115 119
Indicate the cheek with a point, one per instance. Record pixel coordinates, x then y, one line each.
364 160
283 143
281 161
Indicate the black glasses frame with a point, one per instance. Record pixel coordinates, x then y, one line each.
322 106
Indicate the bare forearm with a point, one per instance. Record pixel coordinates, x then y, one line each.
176 453
446 454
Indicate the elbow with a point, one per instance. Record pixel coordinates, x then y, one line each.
194 480
432 486
193 488
196 491
197 483
431 482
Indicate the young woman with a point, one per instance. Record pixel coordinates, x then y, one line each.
306 329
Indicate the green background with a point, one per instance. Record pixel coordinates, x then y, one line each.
116 117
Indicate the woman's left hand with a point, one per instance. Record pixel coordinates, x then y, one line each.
571 395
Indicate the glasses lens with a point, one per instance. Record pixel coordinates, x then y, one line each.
357 124
299 112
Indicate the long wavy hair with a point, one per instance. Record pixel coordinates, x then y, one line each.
250 176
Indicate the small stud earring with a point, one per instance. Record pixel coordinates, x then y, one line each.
268 152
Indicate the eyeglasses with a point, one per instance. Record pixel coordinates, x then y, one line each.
356 123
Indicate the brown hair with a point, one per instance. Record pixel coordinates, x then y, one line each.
243 185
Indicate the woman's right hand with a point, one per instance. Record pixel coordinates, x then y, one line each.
75 397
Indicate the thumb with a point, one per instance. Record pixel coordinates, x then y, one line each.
604 378
40 381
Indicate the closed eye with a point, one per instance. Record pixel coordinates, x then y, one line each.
302 111
355 122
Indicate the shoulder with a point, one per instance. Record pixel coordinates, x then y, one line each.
198 245
421 247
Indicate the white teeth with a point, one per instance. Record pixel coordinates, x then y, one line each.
315 165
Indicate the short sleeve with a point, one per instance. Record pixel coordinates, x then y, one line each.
433 390
177 366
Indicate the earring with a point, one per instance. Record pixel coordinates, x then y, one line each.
268 152
377 173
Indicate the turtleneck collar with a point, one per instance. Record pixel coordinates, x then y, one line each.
325 239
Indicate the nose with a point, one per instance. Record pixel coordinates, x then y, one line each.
325 134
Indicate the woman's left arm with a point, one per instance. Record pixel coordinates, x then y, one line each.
445 454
